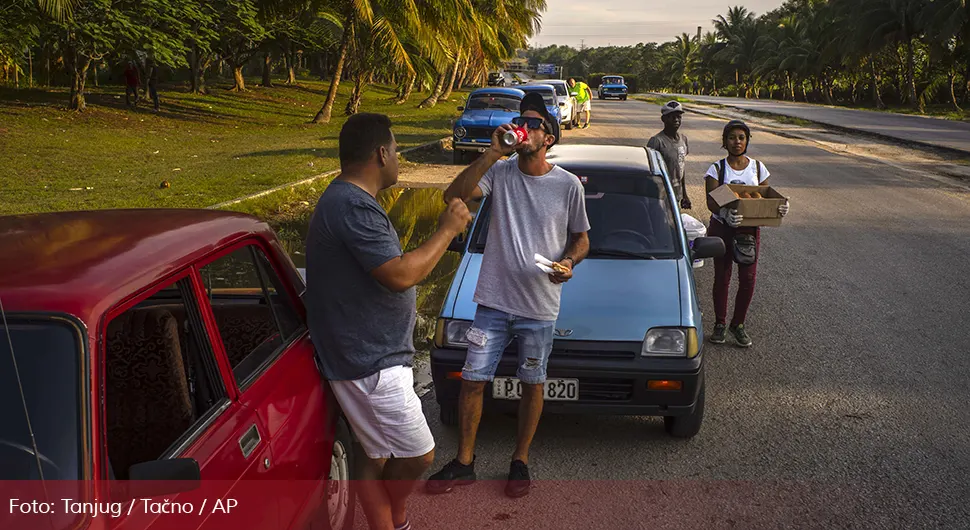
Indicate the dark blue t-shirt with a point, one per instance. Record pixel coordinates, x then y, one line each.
357 325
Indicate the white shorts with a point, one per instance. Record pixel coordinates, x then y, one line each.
385 413
582 107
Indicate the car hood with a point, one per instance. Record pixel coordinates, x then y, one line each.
486 118
607 299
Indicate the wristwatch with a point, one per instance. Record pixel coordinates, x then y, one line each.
572 261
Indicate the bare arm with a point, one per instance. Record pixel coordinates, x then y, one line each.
408 270
465 185
710 185
576 252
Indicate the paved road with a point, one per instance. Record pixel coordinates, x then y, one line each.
851 409
934 131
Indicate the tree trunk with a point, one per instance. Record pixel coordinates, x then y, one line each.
407 89
355 95
953 92
30 67
237 76
827 89
79 74
94 69
449 86
876 97
323 116
910 73
290 69
460 82
193 60
432 100
267 69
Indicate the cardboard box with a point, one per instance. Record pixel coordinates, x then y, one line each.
756 212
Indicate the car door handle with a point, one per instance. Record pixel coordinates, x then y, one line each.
249 441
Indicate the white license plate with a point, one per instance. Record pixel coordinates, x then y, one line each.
555 389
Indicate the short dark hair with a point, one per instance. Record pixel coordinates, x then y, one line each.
361 135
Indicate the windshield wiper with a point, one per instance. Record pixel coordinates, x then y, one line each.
619 253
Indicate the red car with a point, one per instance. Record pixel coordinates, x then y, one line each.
156 349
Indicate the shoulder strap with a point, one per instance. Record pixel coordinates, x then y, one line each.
720 171
758 166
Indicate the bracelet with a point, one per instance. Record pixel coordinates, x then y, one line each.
570 259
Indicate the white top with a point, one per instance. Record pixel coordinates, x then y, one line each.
747 176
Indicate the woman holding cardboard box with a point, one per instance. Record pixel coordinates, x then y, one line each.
743 244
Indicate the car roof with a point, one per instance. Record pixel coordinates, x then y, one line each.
504 91
580 157
83 263
537 87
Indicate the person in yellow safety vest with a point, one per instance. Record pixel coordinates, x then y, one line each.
583 98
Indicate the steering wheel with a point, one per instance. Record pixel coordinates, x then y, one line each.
30 454
647 241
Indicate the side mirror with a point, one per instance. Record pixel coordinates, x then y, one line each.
457 244
161 477
707 247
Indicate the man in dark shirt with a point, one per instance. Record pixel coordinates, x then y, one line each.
361 309
132 82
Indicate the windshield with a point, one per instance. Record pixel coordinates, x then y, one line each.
547 97
633 222
560 88
494 76
47 355
612 80
491 101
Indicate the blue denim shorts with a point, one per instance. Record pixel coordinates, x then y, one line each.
491 334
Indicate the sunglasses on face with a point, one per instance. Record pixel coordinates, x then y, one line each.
531 123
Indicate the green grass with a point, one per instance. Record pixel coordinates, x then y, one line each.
210 149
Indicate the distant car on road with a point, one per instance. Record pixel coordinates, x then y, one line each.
167 350
567 102
629 338
496 79
486 109
612 86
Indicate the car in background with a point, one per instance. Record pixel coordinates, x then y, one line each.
496 79
629 338
482 113
566 101
548 93
612 86
164 353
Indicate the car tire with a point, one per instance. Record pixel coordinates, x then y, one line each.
687 426
449 413
569 125
623 98
340 502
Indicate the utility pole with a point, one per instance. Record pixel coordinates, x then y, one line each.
582 44
698 34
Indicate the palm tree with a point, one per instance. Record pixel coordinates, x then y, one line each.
682 59
894 22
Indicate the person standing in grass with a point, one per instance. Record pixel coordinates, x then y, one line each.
132 84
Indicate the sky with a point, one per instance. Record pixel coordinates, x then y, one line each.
627 22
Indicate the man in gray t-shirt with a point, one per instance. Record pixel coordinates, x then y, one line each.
536 208
672 145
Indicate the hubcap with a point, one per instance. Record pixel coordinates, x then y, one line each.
338 487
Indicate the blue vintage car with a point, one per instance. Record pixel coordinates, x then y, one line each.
629 338
548 93
486 109
612 86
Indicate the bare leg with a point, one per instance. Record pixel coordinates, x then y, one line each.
469 416
373 497
530 410
400 475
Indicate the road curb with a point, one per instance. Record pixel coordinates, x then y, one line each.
842 129
314 178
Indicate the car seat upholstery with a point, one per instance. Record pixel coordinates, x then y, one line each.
148 403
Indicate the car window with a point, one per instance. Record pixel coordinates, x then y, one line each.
547 97
613 81
162 383
560 89
253 310
486 101
47 354
629 218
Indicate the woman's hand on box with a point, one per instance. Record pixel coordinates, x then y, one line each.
783 209
731 217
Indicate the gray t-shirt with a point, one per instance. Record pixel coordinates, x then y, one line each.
530 215
357 325
674 153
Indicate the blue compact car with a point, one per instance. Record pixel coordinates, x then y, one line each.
548 93
612 86
629 338
485 110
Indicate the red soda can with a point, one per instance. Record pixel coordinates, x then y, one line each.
515 136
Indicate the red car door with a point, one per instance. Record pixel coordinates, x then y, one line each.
167 394
265 339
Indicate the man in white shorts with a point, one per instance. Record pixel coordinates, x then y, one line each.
584 95
361 311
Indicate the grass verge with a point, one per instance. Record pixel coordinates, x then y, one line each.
196 152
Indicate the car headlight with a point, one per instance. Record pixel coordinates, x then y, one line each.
670 342
460 132
451 333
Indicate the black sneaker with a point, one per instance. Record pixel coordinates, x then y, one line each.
741 336
719 334
453 474
519 480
